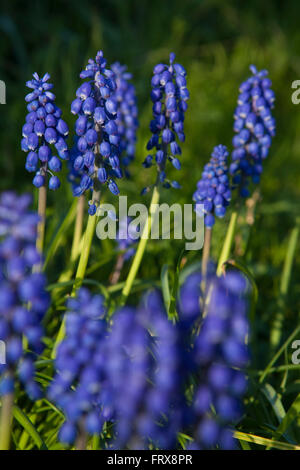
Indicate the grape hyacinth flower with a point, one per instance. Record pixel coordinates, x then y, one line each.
169 96
78 387
98 143
43 130
23 298
213 192
127 114
143 371
254 126
220 357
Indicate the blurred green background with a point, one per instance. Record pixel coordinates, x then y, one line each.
216 41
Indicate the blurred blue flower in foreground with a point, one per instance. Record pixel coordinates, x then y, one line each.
134 373
77 387
23 299
169 96
255 127
220 357
96 157
213 190
127 115
44 128
144 368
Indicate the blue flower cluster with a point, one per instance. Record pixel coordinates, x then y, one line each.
169 96
255 127
96 159
127 114
23 298
127 237
143 369
129 375
220 355
43 128
134 374
77 387
213 190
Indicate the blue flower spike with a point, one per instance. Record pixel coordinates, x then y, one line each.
169 96
95 158
127 114
255 128
44 133
213 192
23 297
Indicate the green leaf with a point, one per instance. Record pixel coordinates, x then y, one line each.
276 330
29 427
226 249
292 413
92 282
183 439
172 308
274 400
164 277
278 354
242 436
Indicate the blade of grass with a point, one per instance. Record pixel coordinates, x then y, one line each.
28 426
274 401
226 249
263 441
164 277
278 354
276 330
289 417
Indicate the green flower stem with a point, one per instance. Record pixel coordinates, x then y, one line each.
82 265
87 242
82 439
206 249
77 245
84 257
6 421
42 203
115 276
78 228
226 249
141 247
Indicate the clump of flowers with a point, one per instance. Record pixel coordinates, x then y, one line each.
134 373
143 370
23 298
96 158
129 375
169 96
213 192
254 126
127 114
43 129
220 357
77 387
